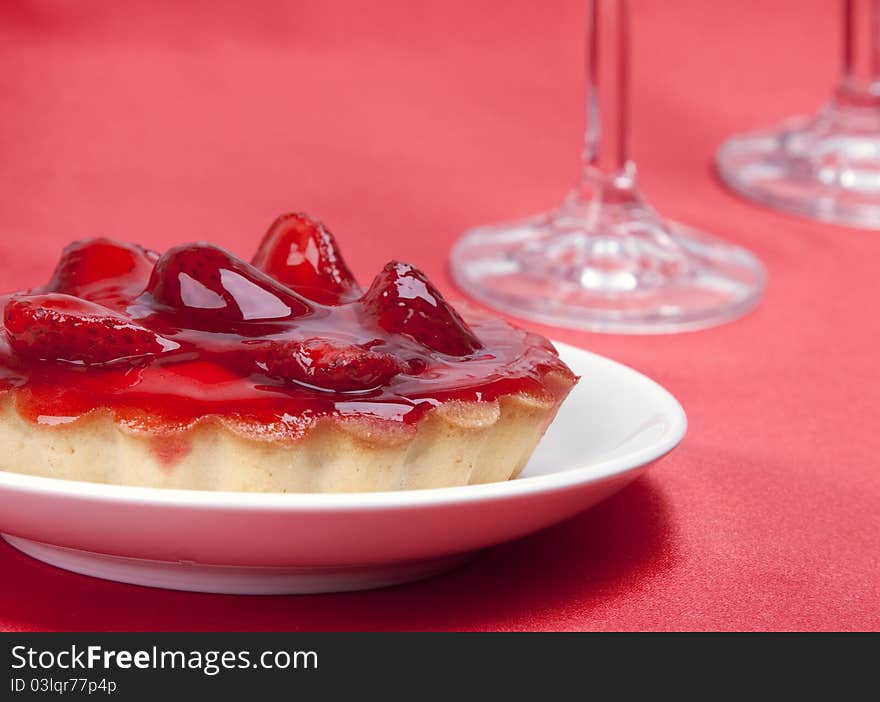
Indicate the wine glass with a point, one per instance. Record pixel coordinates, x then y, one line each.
605 260
826 166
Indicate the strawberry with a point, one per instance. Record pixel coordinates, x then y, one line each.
212 288
321 364
302 253
61 327
106 271
404 301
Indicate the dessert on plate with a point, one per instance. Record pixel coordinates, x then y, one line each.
197 369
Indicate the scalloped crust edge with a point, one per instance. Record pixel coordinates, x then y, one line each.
456 443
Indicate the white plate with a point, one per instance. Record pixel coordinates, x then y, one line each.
615 422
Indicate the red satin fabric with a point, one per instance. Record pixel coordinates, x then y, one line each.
402 124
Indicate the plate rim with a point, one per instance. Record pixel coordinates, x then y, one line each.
366 501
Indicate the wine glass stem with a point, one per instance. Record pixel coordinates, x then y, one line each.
608 172
859 83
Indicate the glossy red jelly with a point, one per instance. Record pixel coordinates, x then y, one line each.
164 340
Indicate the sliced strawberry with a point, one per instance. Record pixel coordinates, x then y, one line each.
404 301
321 364
211 288
302 253
61 327
106 271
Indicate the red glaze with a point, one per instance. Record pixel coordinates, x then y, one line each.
202 333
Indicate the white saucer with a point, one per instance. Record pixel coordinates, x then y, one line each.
613 425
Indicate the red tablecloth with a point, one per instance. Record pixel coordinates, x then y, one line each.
402 124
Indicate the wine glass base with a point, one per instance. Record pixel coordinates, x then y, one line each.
626 274
825 167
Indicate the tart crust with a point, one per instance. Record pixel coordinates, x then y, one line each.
456 443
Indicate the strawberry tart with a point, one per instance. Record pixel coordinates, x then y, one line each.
197 369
